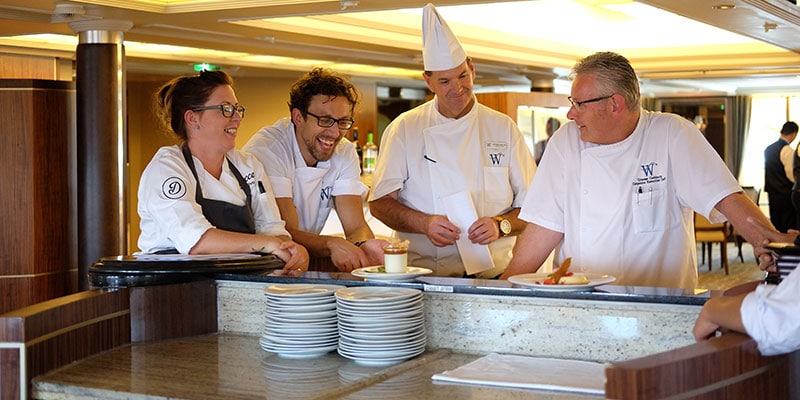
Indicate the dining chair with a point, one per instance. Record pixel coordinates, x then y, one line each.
707 233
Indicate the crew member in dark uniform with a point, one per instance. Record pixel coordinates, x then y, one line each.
778 179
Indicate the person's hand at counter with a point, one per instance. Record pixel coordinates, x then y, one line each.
765 258
345 255
770 314
373 248
719 313
294 255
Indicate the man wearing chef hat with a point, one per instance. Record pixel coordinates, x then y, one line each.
451 146
313 170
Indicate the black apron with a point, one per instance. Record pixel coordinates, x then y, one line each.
224 215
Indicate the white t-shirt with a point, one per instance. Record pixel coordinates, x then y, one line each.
170 216
312 189
482 153
771 315
626 209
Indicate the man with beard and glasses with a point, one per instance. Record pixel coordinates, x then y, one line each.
313 170
620 185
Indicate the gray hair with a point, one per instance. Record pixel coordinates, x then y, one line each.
614 74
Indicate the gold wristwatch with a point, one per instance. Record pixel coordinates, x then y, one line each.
504 225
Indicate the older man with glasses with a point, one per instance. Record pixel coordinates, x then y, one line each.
619 186
312 170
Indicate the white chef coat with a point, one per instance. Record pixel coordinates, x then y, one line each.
427 156
170 216
771 315
626 209
312 189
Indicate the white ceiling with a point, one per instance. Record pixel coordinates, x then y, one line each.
677 46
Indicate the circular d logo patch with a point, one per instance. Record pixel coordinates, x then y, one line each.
173 188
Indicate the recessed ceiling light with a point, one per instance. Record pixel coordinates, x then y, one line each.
723 7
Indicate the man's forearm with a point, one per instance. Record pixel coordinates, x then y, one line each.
397 216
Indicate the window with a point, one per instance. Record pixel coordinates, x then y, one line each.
768 114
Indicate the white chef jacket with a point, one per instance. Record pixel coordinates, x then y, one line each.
427 156
312 189
626 209
170 216
771 315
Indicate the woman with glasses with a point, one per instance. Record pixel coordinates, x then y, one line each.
204 196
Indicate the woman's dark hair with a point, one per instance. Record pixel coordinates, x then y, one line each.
321 81
184 93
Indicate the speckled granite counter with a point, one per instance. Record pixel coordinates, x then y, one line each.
595 330
230 366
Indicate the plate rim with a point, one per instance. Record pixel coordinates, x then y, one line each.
595 280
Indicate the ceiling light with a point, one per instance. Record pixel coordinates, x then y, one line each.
723 7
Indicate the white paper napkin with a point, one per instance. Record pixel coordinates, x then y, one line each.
530 373
461 211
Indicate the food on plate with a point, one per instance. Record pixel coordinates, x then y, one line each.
555 277
562 277
569 279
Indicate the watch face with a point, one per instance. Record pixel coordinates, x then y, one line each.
505 227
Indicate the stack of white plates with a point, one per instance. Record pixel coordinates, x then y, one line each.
301 320
380 325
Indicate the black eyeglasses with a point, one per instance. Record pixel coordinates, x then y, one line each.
578 104
327 122
227 109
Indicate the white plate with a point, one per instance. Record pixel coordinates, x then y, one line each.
271 319
535 281
372 319
375 294
301 290
346 326
301 341
285 315
384 307
300 307
379 360
379 312
375 274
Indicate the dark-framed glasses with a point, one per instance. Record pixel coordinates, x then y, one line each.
227 109
578 104
327 122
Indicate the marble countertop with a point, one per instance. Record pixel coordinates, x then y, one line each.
233 366
632 294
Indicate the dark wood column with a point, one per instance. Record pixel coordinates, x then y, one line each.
101 142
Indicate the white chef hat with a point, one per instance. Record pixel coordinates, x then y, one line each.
440 48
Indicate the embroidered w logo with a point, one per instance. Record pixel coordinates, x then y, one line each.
495 158
325 193
649 169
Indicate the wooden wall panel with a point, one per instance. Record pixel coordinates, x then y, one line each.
48 335
173 311
38 257
727 367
